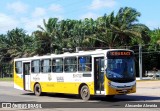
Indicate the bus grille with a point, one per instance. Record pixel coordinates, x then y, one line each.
124 91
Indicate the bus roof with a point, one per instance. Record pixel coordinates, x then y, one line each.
68 54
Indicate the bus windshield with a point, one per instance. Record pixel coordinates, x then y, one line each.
120 68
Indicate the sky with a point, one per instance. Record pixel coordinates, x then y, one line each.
28 14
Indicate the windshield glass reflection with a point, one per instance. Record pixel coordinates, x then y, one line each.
120 68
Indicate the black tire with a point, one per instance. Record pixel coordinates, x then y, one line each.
85 93
37 90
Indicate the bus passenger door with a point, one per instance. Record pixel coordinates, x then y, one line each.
26 75
99 75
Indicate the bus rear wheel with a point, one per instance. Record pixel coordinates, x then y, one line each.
37 90
85 93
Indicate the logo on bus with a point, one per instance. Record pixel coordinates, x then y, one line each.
60 79
49 77
36 78
77 75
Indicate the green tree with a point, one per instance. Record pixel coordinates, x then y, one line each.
155 39
45 37
16 43
105 34
126 26
89 32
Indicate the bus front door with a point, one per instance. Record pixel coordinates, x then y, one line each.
99 75
26 75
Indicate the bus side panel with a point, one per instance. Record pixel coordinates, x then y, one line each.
63 87
73 88
61 83
18 80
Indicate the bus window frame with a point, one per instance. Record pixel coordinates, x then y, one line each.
58 65
50 65
85 63
36 66
76 64
21 67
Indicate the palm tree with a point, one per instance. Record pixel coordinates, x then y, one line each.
155 39
16 43
126 25
105 34
47 35
89 27
68 36
42 42
109 31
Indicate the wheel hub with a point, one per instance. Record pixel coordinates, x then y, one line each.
85 92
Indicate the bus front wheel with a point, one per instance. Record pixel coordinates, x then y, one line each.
85 93
37 90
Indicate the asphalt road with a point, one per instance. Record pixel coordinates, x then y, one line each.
147 91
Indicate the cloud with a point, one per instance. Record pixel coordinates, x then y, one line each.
98 4
39 12
55 8
17 7
7 23
30 24
89 15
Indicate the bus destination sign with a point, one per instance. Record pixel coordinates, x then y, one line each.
119 53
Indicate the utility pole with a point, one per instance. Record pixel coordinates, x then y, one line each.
140 61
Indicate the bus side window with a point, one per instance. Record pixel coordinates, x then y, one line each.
46 65
18 67
84 63
70 64
57 65
35 66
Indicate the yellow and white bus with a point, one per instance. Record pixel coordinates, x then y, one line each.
99 72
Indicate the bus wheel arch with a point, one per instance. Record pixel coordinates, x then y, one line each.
84 91
37 89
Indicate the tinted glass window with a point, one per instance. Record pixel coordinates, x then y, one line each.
18 67
35 66
70 64
57 65
84 63
46 65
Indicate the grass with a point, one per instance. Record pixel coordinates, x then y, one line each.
6 79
